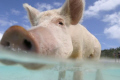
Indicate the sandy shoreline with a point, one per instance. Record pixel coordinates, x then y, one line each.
109 60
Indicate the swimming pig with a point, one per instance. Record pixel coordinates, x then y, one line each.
55 33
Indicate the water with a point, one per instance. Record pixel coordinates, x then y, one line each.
24 66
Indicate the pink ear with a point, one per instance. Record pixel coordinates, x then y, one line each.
73 8
32 13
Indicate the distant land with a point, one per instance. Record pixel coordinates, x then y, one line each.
111 53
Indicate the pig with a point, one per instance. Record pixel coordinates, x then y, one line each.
55 33
67 38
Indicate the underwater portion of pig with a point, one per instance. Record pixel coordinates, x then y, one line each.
58 32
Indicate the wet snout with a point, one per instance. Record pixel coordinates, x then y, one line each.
17 37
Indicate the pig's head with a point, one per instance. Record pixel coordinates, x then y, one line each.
49 34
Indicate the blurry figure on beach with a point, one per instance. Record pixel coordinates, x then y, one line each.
115 56
118 55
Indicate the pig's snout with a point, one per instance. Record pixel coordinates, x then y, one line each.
17 37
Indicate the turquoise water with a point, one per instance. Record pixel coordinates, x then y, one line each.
12 67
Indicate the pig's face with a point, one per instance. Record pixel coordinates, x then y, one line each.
49 34
54 37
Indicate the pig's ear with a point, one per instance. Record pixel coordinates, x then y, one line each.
32 13
73 8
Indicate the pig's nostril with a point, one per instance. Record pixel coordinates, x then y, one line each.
27 44
7 43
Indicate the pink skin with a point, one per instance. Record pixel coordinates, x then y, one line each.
46 40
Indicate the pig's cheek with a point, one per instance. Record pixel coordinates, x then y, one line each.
50 49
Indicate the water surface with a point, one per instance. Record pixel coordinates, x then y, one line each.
24 66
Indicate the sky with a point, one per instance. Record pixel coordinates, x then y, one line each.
101 17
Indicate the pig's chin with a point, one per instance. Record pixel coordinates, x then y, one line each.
18 49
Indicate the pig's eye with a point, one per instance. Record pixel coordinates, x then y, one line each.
61 23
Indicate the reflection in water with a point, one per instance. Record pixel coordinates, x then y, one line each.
24 66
